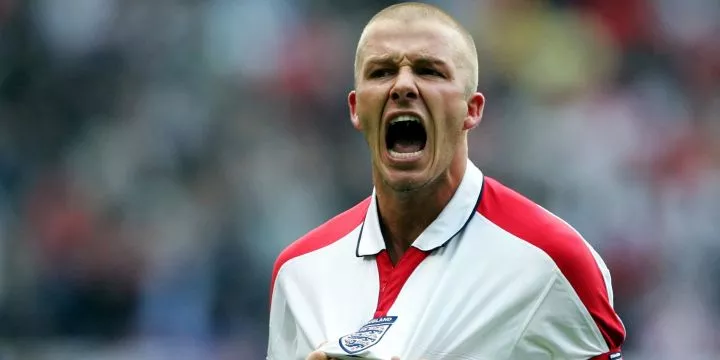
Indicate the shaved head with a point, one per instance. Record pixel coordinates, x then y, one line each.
411 12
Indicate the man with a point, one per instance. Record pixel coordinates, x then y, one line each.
440 262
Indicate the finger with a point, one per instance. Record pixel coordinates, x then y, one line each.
317 355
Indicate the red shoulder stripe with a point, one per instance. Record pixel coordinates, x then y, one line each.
528 221
322 236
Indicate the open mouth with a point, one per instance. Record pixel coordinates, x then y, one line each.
406 137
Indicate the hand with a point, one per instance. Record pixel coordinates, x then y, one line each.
318 355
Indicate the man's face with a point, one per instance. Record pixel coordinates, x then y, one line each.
410 100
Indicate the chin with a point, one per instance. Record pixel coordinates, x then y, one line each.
400 181
404 187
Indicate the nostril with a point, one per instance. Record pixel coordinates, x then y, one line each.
396 95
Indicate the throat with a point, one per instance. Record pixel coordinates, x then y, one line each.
397 246
404 216
405 137
401 226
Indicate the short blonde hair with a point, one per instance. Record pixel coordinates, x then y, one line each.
414 11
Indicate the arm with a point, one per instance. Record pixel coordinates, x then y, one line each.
282 329
286 340
572 323
291 325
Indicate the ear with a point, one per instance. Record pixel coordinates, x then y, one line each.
475 105
352 104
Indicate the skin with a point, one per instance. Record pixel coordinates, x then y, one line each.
416 67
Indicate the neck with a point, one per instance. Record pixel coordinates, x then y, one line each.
405 215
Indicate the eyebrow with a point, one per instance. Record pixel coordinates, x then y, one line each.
430 60
393 59
381 60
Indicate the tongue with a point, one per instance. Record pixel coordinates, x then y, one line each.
406 146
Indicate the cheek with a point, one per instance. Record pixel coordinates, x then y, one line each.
369 108
370 97
457 111
450 113
369 124
450 116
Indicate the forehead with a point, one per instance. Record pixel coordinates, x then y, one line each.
416 38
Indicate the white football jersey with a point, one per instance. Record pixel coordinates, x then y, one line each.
494 277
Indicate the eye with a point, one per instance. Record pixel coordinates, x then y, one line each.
380 73
428 71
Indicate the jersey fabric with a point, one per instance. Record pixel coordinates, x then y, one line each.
495 276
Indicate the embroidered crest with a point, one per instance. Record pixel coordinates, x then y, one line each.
368 335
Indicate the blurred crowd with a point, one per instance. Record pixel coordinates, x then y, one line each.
156 156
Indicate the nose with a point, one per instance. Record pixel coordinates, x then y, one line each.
404 88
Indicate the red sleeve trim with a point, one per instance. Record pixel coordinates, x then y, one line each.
528 221
322 236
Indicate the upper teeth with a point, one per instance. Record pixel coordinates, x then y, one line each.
402 118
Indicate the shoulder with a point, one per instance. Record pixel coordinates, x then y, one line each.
528 221
322 236
575 259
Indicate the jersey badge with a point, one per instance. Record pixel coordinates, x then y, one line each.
368 335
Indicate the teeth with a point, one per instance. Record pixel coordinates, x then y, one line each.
403 118
399 155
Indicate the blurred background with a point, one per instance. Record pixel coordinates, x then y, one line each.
156 156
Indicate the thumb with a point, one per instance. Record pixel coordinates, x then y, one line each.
317 355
